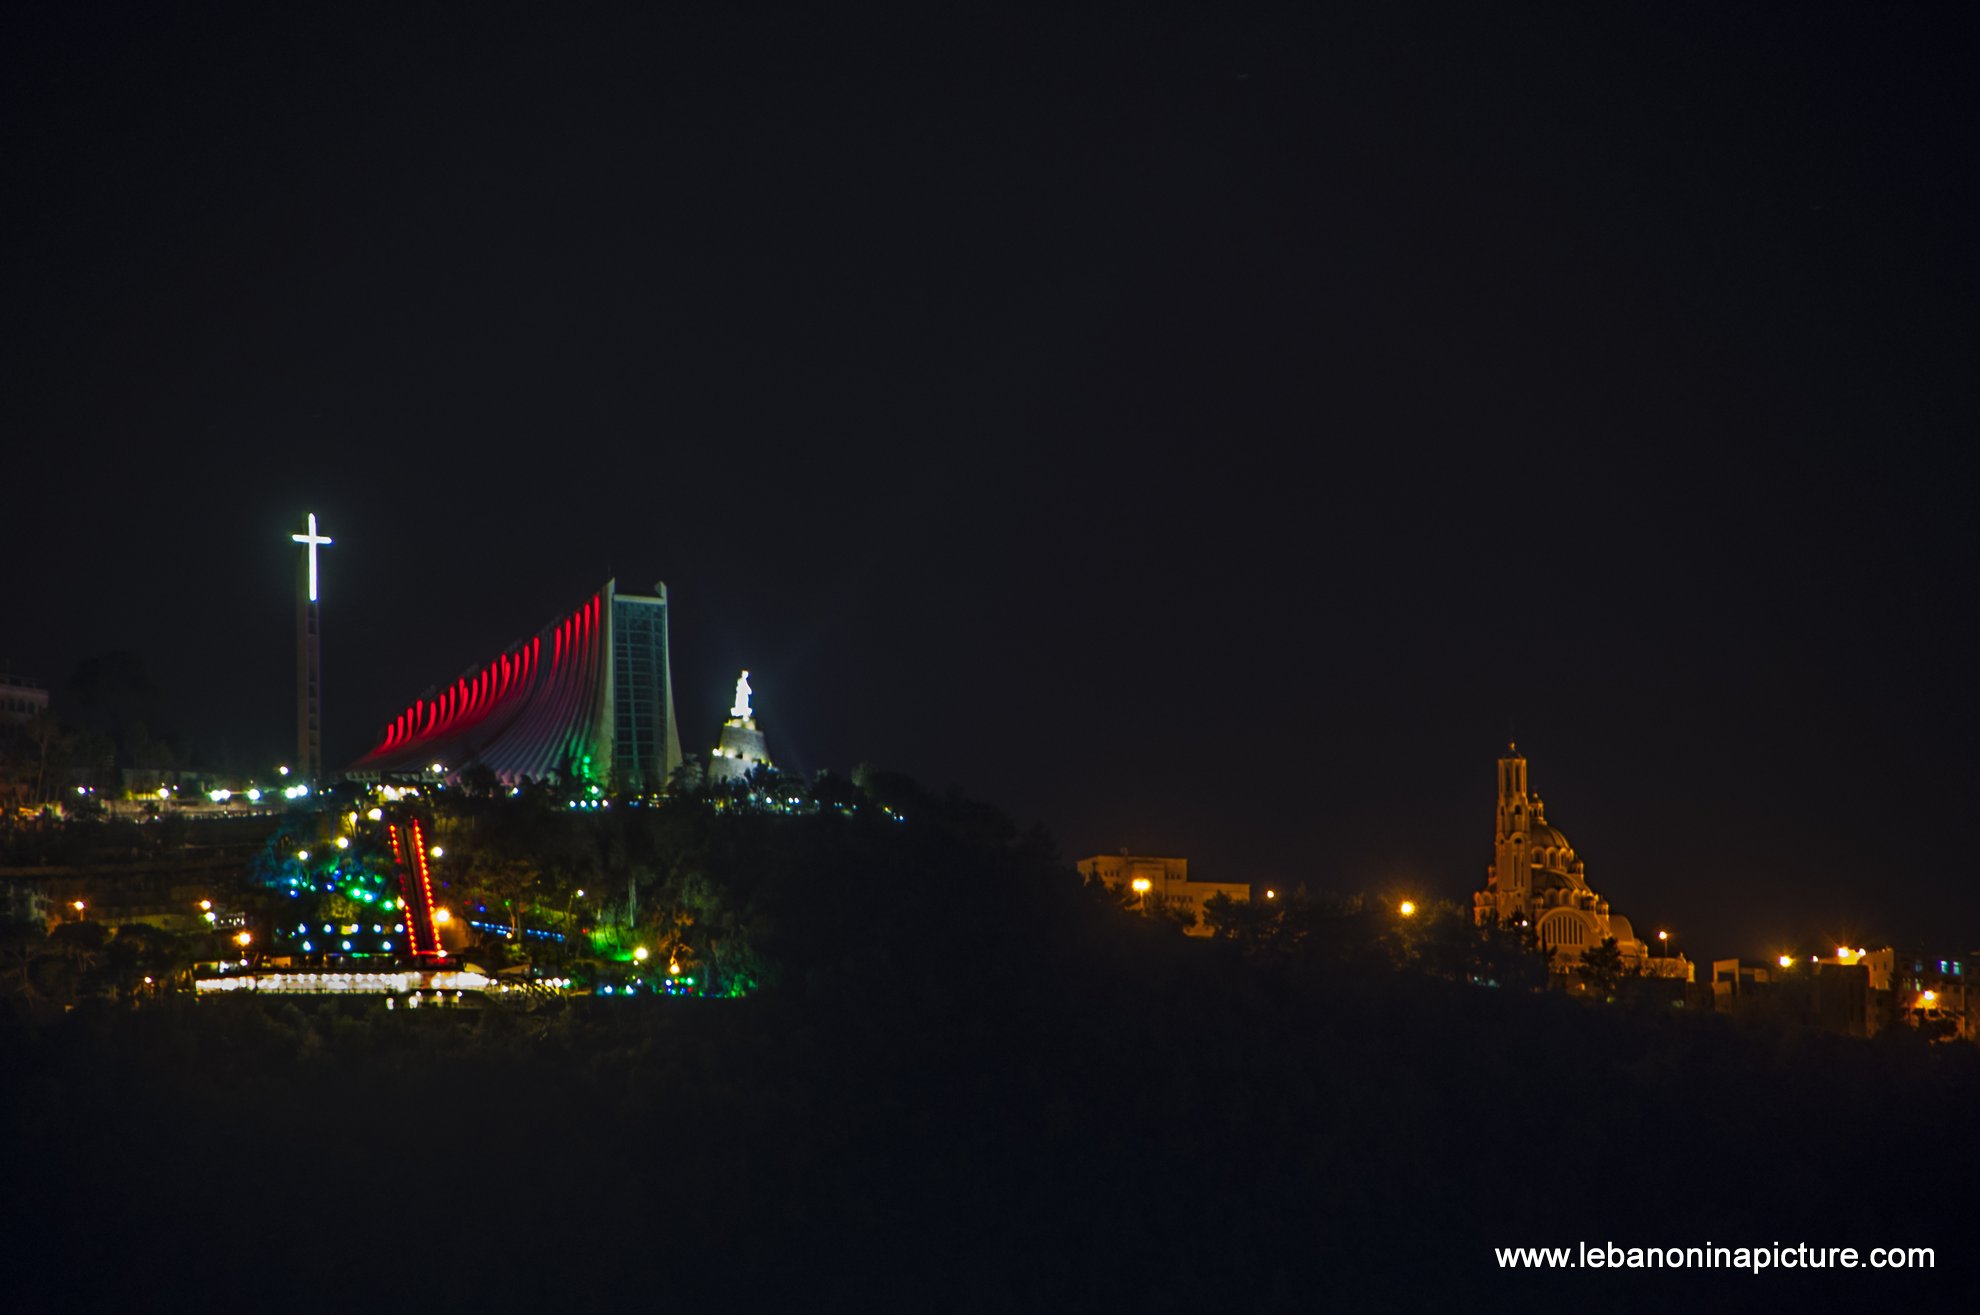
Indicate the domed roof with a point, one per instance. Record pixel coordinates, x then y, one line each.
1542 836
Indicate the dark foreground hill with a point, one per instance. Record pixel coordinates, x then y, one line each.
999 1097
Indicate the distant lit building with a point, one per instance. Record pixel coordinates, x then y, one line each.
1833 995
1537 880
1163 879
1735 979
740 747
21 699
1934 991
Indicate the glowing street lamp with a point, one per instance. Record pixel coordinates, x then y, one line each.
1664 939
1407 908
1271 894
640 953
441 917
1786 961
244 939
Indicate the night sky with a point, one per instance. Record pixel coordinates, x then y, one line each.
1213 437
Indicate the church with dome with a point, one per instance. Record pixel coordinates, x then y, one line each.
1537 880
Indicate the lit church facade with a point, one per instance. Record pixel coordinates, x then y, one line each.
1537 880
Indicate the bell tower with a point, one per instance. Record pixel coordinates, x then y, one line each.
1511 850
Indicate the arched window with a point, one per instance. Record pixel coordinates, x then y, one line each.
1562 929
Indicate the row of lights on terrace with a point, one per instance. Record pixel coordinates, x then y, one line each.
1844 955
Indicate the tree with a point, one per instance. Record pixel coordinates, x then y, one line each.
23 951
1510 956
44 733
1167 912
1603 967
80 947
140 951
504 882
478 780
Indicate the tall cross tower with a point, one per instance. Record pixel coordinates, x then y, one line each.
309 661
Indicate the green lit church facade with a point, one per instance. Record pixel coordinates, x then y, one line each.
588 699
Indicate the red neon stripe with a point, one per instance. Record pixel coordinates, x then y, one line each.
398 861
425 884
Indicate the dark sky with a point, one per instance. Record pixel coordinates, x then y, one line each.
1213 437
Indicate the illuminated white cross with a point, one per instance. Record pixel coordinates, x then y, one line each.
312 539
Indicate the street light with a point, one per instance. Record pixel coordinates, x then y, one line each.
1664 939
1407 908
1786 961
1271 894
